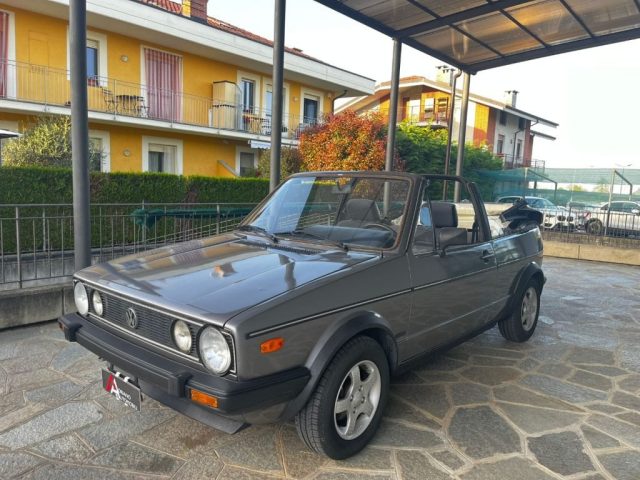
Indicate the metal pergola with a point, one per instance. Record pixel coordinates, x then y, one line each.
471 35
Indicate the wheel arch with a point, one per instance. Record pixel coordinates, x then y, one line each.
532 270
367 323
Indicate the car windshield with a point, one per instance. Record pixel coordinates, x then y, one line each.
340 210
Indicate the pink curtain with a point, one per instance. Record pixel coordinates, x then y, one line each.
4 52
164 85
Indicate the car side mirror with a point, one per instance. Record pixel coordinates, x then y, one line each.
635 211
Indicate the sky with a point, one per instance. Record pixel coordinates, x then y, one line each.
593 94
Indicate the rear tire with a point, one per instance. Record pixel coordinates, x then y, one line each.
520 325
344 411
594 227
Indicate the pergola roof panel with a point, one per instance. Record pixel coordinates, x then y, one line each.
450 7
476 35
500 33
607 16
455 45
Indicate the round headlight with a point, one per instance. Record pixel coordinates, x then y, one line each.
182 336
214 350
81 298
96 302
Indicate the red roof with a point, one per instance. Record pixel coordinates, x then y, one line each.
176 8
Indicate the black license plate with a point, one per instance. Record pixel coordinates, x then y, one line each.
126 392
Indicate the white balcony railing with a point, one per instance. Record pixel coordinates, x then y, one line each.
51 86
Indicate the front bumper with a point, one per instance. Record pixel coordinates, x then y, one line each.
169 381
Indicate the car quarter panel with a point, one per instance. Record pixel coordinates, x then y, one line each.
379 287
513 254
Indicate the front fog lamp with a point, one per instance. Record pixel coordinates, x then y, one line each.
96 302
81 298
182 336
214 350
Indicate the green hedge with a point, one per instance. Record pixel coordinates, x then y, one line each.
54 185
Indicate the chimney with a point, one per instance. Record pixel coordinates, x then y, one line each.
510 98
443 74
198 10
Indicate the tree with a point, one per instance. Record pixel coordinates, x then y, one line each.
46 143
423 150
346 141
290 162
602 186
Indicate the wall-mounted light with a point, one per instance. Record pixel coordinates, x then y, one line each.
295 99
124 58
126 152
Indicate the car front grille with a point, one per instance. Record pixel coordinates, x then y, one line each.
152 325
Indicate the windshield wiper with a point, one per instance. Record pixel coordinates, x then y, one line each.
304 233
259 230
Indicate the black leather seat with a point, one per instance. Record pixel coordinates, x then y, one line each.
359 212
445 220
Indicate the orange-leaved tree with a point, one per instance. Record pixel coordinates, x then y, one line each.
345 141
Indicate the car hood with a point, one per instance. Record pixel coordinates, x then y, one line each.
216 278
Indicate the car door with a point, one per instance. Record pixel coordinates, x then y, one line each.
453 292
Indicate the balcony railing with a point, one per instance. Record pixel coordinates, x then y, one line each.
417 116
51 87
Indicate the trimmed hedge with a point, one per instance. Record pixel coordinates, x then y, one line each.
54 185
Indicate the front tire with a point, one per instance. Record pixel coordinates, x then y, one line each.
520 325
345 409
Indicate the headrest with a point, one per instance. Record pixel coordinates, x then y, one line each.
362 209
444 214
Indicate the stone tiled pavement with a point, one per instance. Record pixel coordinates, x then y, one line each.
564 405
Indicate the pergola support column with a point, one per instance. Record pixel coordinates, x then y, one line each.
279 14
80 133
393 104
462 132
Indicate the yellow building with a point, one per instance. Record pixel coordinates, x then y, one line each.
170 89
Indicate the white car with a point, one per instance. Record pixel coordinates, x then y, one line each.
622 218
555 217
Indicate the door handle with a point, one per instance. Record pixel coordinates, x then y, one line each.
486 255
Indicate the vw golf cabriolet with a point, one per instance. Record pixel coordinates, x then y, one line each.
333 283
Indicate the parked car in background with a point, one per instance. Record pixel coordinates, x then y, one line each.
580 211
623 218
555 217
336 281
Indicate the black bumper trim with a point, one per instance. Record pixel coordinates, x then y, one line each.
175 378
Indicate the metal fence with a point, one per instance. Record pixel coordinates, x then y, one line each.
585 224
36 241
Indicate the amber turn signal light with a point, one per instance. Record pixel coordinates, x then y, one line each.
272 345
204 399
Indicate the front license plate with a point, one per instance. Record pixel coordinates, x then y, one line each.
124 391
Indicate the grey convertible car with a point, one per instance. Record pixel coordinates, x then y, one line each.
333 283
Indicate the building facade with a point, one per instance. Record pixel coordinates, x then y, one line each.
169 88
507 131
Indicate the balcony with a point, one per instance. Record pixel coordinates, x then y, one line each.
135 103
417 116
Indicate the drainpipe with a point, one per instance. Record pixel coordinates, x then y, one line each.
393 103
333 102
464 108
447 156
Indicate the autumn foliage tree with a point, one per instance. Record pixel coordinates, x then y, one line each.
346 141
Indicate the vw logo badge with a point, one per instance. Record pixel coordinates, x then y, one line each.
132 318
